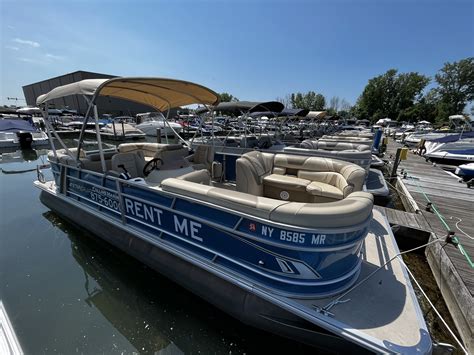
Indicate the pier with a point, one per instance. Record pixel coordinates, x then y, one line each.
444 207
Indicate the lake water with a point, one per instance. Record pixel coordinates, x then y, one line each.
66 292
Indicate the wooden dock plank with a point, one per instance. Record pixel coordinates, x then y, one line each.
452 199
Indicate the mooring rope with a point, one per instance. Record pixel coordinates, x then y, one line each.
443 221
338 299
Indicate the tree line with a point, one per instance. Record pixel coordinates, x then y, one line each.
400 96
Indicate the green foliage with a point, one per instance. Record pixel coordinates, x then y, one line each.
309 101
455 87
390 94
226 97
426 108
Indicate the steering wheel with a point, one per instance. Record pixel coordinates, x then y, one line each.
152 165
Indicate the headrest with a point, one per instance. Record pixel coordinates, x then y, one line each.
309 144
170 147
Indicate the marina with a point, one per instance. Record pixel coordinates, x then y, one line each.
236 178
291 233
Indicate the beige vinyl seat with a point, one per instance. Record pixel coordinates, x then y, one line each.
132 162
174 156
148 149
202 158
88 162
352 210
297 178
197 176
333 146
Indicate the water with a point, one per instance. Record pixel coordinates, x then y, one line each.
67 292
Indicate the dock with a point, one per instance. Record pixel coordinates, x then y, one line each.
441 205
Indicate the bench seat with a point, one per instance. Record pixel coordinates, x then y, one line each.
317 188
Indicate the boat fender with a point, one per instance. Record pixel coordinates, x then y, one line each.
125 175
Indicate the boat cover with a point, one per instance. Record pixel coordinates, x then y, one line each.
16 126
453 137
239 107
286 112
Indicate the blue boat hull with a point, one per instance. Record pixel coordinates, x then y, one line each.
289 261
236 300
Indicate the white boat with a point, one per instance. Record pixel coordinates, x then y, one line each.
119 131
291 246
466 171
21 134
151 122
452 152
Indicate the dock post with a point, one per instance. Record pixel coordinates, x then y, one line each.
158 135
393 174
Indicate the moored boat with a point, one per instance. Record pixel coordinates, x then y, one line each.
280 248
21 134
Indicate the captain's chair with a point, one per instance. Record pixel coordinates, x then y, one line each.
133 163
202 158
173 156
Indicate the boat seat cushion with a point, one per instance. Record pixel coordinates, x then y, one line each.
199 176
317 188
254 205
354 209
133 163
251 169
286 182
203 156
148 149
173 156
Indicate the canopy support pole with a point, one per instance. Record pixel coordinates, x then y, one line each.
48 130
84 125
47 123
99 139
169 125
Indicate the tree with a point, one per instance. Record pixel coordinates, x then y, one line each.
226 97
286 101
334 103
389 94
345 105
455 86
309 101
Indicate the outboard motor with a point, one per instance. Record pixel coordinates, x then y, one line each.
25 139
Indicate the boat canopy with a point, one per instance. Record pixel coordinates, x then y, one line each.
240 107
316 114
29 110
158 93
286 112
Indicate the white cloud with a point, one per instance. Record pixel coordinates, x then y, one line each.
54 57
12 48
27 60
26 42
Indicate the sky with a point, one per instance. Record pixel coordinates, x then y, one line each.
255 50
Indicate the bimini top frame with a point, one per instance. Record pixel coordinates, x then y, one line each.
159 93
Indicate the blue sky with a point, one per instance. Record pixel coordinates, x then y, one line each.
256 50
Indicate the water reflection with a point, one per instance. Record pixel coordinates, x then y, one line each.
153 313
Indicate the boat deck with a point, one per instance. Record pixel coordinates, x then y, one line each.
383 307
452 265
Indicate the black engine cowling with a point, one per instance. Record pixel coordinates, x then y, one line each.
25 139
